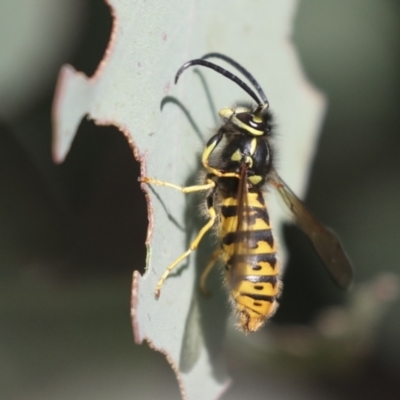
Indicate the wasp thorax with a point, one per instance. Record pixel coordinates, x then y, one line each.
244 118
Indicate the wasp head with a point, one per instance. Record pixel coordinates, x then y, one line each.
254 123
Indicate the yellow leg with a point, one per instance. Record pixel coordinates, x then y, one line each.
215 171
188 189
193 246
212 144
207 271
219 173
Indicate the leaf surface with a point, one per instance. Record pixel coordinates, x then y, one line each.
168 126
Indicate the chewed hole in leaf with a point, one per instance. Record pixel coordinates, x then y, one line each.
95 38
100 176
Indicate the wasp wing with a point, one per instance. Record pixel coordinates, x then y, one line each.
241 230
325 242
242 200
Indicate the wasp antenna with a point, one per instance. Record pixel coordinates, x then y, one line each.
221 71
262 109
243 70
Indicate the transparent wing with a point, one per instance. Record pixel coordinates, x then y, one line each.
242 199
241 233
325 242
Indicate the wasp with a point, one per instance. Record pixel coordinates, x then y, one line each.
235 179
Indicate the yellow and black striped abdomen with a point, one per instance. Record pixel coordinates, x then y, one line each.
249 254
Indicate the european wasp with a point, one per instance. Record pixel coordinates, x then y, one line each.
234 183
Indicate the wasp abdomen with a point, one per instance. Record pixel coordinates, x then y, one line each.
250 260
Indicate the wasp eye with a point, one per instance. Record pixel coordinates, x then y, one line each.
251 120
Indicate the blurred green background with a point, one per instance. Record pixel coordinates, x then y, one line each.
71 235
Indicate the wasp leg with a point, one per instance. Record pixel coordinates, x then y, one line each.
188 189
207 271
193 246
210 147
